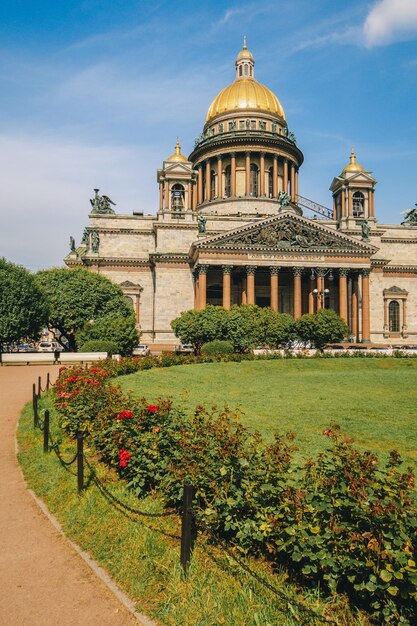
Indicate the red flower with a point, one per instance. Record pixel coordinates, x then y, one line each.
63 404
96 382
89 380
152 408
156 429
71 379
124 457
124 415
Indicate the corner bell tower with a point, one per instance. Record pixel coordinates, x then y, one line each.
353 196
176 184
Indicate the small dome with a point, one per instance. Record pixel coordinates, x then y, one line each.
177 156
245 93
244 53
353 165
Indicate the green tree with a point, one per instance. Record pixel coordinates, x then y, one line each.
119 330
78 296
276 329
198 327
319 329
23 307
244 327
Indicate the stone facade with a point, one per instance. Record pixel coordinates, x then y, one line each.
232 229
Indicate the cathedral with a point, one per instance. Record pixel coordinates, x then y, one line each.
231 228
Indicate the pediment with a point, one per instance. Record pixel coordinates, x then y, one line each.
286 232
178 168
395 290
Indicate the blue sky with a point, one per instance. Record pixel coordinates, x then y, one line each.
94 94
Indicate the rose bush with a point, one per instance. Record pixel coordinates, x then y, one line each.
343 521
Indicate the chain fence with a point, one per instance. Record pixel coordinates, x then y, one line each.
192 521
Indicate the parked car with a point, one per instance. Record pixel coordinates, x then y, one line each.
26 347
49 346
141 350
184 348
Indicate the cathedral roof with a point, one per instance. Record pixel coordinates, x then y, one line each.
177 156
245 93
353 165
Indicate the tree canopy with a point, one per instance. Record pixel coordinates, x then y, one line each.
322 328
121 331
78 296
249 325
23 307
198 327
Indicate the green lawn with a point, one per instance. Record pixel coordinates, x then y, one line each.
374 400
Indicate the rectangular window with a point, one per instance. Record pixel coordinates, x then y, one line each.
253 125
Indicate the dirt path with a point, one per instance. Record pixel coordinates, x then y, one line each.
42 580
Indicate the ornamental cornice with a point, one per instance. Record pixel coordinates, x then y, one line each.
122 231
399 269
115 261
168 257
398 240
176 225
243 142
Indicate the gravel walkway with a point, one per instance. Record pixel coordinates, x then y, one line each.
42 580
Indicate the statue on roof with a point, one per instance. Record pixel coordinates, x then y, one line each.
284 199
101 204
201 221
410 216
72 244
365 229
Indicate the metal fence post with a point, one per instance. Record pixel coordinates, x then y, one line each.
48 381
35 406
46 432
39 386
80 462
187 526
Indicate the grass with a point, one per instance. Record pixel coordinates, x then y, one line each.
373 400
143 558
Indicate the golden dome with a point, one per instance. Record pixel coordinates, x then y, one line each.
245 94
353 165
177 156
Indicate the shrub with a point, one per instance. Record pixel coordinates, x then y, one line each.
99 345
217 347
341 522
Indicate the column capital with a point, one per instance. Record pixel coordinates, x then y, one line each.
219 157
202 269
248 152
298 271
227 269
250 269
343 271
232 154
274 270
275 157
365 273
321 271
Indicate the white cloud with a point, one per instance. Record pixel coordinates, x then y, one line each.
390 21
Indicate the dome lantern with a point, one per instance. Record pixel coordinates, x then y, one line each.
245 63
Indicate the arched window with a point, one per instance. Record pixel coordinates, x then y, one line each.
212 184
270 182
246 69
177 198
253 190
240 70
251 70
394 316
227 182
358 203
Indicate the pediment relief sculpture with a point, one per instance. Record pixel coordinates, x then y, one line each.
288 235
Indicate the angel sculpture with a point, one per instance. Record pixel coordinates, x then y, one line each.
284 198
410 216
101 204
